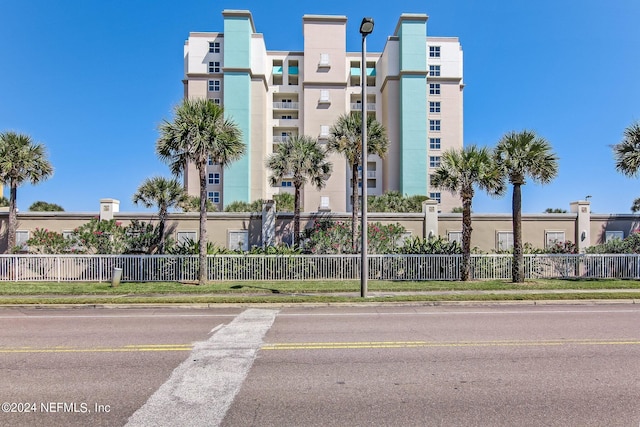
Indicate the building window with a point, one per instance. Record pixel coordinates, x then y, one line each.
434 143
434 125
214 67
434 88
434 161
434 51
214 178
504 240
286 184
216 101
185 236
238 240
610 235
434 70
287 117
435 196
214 47
324 131
21 239
455 236
324 60
213 196
324 95
434 106
553 237
214 85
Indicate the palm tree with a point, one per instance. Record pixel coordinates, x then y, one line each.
20 160
627 155
460 171
346 138
521 155
303 159
164 194
199 131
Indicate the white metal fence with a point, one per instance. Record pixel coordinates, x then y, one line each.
161 268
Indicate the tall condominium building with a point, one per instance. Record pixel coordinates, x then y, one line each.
414 88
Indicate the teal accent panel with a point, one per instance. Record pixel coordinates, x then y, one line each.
413 45
237 42
293 70
413 134
371 71
277 69
237 106
355 71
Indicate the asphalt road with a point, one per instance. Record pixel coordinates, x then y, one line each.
564 365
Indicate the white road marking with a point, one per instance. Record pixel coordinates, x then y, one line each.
201 390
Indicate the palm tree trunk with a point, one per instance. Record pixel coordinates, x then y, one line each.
354 206
296 216
202 254
518 257
13 217
465 267
162 219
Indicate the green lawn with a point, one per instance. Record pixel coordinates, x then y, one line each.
309 291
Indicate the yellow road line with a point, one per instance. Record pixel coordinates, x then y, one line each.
125 348
420 344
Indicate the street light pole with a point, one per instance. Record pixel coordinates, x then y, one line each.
366 28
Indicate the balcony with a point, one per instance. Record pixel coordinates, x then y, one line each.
286 105
356 106
279 139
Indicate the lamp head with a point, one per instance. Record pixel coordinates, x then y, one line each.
366 26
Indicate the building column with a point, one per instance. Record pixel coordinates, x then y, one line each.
583 224
430 211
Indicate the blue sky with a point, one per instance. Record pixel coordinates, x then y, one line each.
93 79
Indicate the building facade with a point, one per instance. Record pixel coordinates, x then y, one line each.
414 88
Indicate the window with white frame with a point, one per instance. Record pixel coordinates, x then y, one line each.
216 197
434 88
553 237
434 143
210 196
434 106
214 85
434 51
434 70
210 178
214 47
286 184
238 240
324 95
21 239
435 196
504 240
214 66
454 236
324 60
216 178
610 235
434 161
324 131
434 125
185 236
216 101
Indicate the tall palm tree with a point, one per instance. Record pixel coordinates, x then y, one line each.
199 131
521 155
627 151
20 160
303 159
164 194
346 138
460 171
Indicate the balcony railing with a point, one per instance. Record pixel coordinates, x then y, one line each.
286 105
356 106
